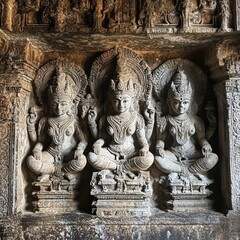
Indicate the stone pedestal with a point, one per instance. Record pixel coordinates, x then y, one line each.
189 195
125 194
55 197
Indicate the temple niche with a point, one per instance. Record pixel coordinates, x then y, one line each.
183 151
121 150
119 119
58 137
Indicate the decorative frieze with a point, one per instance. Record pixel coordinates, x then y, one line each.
119 16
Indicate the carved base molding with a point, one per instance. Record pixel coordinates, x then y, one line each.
124 194
207 226
186 196
50 200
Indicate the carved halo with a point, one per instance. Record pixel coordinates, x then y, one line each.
77 78
162 77
102 72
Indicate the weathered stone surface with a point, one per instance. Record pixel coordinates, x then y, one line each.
88 35
160 226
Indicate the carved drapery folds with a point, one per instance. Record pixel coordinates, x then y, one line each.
121 16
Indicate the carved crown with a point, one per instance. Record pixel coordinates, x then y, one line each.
60 88
180 86
123 83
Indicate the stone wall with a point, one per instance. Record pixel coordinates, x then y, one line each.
93 42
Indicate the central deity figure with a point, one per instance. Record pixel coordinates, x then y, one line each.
183 132
122 144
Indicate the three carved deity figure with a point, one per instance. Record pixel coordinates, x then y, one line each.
121 112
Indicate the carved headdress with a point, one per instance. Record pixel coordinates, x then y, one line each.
123 82
60 88
180 87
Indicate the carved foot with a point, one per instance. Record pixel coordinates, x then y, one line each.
172 176
44 178
71 177
203 178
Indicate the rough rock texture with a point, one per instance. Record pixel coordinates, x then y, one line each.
35 34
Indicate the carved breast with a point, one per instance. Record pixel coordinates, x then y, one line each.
181 130
121 128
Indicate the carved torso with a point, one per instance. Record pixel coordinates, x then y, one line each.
121 129
61 131
182 132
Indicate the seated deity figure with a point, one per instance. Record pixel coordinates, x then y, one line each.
60 140
180 135
122 144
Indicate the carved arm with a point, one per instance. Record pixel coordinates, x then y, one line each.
31 121
203 142
140 132
149 115
92 115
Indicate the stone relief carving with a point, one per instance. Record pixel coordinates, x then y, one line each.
182 149
230 155
121 148
224 13
7 126
123 16
58 136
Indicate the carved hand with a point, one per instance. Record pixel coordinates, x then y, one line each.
78 153
32 116
149 114
160 152
206 150
92 115
37 154
97 146
143 151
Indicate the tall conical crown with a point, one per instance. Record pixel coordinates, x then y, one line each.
180 86
123 82
60 88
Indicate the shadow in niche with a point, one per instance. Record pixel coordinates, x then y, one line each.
214 173
85 199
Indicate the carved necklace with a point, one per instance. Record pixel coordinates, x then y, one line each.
120 126
181 129
58 127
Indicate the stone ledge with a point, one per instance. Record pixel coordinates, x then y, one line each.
162 225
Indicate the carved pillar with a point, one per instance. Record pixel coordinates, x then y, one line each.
226 71
237 15
15 76
8 12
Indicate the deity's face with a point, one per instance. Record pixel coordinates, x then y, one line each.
121 103
180 105
60 106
